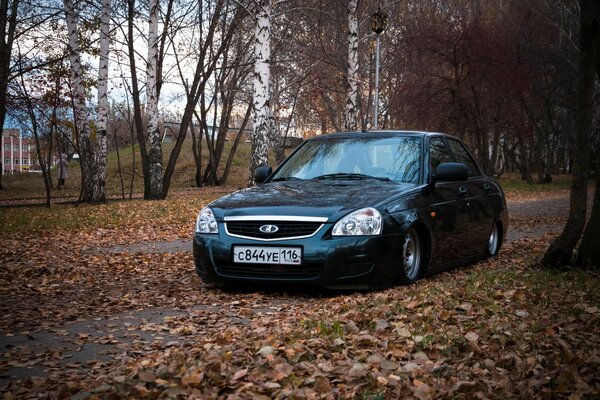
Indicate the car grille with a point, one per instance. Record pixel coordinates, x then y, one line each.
287 229
305 271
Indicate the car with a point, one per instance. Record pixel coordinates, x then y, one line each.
355 210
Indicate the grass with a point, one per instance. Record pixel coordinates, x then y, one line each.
180 210
31 185
513 182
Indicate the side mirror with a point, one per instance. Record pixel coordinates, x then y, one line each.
450 171
262 173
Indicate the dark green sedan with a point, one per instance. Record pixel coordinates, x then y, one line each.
357 210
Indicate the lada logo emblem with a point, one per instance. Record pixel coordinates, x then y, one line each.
268 228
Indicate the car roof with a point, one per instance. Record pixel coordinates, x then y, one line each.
376 134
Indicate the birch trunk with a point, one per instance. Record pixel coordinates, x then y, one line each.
100 190
263 114
350 120
87 159
155 151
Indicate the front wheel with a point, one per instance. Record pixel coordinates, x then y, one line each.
493 246
411 266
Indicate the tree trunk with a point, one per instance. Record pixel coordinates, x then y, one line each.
210 143
51 144
352 95
8 24
210 173
263 115
102 141
197 152
135 94
131 131
119 164
235 146
53 130
86 156
155 151
561 249
45 168
589 251
38 147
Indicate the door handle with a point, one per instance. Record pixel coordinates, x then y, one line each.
463 191
486 187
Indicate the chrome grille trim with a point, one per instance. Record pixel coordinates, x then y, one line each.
275 239
267 218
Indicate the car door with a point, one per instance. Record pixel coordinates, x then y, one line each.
479 213
450 224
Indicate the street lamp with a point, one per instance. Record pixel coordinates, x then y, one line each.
378 25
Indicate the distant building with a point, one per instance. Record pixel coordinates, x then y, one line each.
17 153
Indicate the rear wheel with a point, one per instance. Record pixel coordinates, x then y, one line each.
411 267
493 246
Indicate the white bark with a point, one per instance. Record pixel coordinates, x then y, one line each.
155 152
351 114
100 193
87 158
263 114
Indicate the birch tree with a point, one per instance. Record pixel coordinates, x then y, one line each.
151 160
155 151
88 169
263 114
350 120
100 192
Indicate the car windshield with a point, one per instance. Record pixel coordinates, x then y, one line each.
391 158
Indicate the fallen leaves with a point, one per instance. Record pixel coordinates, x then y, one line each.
499 329
472 336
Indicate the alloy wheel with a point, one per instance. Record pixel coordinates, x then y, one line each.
493 241
411 254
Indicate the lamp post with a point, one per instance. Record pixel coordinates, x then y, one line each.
378 25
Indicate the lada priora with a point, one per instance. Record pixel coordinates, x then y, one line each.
355 209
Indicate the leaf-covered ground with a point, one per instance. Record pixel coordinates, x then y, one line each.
80 323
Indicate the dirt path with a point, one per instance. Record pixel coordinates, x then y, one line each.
88 343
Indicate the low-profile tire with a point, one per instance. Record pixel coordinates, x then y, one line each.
411 268
494 240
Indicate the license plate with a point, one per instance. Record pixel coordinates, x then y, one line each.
267 255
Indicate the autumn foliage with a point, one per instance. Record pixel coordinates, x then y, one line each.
104 311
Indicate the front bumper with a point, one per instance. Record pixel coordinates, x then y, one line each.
358 261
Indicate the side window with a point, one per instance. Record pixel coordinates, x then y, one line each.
461 155
438 153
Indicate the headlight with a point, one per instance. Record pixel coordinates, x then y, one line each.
206 222
366 221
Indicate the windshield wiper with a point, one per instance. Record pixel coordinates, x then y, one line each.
348 175
286 178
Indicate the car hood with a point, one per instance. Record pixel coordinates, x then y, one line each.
316 198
